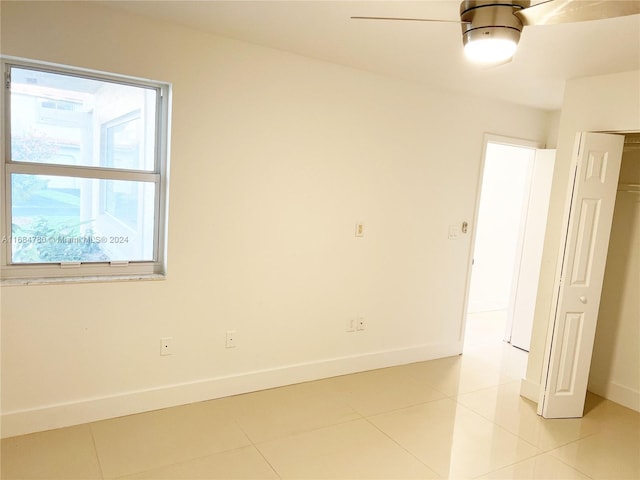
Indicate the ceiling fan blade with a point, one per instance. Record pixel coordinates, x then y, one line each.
569 11
408 19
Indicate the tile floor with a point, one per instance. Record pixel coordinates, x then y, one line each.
459 417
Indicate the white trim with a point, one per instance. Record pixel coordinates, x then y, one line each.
515 142
46 417
529 390
618 393
23 281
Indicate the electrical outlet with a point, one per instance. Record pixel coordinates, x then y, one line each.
360 323
231 339
166 346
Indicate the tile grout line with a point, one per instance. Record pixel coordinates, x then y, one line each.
267 460
402 447
502 428
542 453
571 466
95 449
539 451
510 465
575 467
412 405
253 444
517 434
182 462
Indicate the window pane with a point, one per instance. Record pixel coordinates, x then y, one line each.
68 120
65 219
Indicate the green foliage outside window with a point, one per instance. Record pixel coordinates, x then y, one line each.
47 240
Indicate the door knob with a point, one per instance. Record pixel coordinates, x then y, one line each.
583 299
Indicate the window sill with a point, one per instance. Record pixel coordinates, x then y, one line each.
8 282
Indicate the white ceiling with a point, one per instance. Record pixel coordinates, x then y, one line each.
430 53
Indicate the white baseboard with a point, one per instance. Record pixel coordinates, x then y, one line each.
625 396
613 391
530 390
86 410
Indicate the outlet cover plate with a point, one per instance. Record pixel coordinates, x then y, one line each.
166 346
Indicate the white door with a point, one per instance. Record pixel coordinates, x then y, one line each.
597 160
504 190
527 269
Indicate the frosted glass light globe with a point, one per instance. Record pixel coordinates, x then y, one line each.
490 50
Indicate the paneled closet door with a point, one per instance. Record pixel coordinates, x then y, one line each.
597 159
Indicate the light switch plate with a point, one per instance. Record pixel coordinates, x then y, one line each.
231 339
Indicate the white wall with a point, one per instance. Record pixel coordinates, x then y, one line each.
274 157
602 103
506 173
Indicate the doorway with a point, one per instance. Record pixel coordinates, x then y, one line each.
594 289
615 365
511 211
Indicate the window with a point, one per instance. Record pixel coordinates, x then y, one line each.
84 170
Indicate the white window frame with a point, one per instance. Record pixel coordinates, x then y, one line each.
97 271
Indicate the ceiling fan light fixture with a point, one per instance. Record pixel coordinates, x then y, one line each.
490 44
490 29
490 50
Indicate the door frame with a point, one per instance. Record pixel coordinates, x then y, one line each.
487 138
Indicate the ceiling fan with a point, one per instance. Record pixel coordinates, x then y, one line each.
491 28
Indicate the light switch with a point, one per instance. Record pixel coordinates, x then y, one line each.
231 339
454 232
